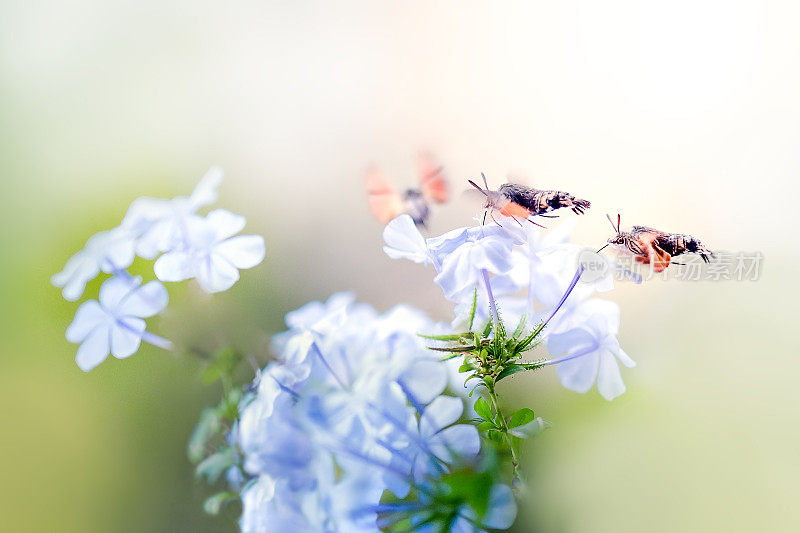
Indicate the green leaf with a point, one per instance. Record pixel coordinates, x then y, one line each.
521 417
530 429
214 504
485 425
465 367
472 309
208 426
450 338
452 349
509 370
470 487
521 326
213 466
483 409
495 436
223 365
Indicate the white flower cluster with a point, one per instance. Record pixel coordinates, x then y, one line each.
352 408
526 272
186 246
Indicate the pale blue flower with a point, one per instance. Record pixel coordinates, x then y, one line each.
210 253
352 392
465 255
590 351
107 251
162 224
115 323
404 240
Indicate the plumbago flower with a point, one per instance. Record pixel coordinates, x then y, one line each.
210 253
527 274
591 349
194 247
115 323
349 431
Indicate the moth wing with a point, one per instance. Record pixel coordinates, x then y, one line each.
661 258
656 255
384 201
432 180
510 209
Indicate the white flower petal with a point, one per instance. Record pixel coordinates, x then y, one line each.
424 381
89 316
609 379
205 193
502 508
404 241
570 342
126 337
461 440
119 252
150 299
215 274
441 412
174 266
94 349
579 374
244 251
80 269
224 223
115 289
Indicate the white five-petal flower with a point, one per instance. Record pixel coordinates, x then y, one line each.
591 350
109 251
115 323
162 224
212 254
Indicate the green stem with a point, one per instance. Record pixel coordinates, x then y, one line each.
494 402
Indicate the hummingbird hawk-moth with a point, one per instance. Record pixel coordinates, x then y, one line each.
519 201
651 246
386 203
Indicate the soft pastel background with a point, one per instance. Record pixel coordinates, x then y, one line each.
683 115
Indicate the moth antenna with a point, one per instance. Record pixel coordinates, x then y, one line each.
477 187
619 220
601 248
484 181
616 228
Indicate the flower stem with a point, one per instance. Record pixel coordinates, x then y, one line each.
492 304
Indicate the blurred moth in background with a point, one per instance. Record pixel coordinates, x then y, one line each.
649 245
386 203
520 201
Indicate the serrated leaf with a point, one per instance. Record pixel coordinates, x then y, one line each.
449 338
473 308
213 505
483 409
452 349
521 326
509 370
521 417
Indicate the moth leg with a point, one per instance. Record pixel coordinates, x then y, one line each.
495 220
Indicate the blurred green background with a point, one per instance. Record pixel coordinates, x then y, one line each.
680 115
